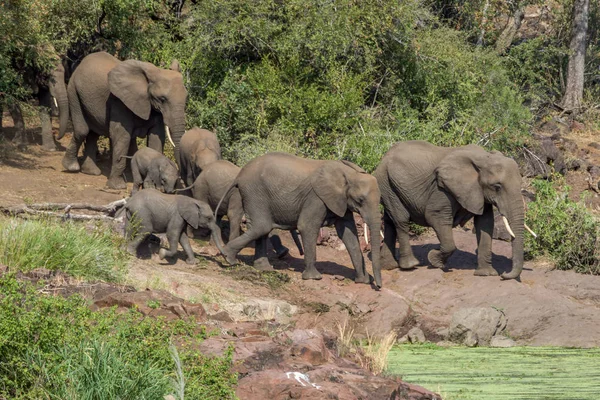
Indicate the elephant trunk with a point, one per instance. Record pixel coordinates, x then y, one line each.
216 235
373 221
516 221
176 124
62 101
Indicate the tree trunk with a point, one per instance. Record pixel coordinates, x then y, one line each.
508 34
574 93
483 23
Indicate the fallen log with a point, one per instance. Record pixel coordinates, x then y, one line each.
52 210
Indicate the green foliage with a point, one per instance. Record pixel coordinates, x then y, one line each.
87 252
54 347
567 232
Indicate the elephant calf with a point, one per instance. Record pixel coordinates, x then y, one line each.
150 211
153 170
199 147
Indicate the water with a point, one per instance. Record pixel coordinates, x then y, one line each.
490 373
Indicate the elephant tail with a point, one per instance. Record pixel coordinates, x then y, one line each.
125 157
185 188
225 195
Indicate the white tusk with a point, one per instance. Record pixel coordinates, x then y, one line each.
508 226
530 231
381 233
55 102
169 135
366 233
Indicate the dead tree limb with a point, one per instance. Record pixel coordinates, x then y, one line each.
52 210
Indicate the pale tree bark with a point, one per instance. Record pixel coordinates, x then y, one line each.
509 33
574 93
483 23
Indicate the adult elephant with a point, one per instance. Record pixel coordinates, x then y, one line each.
442 187
51 92
122 100
199 148
283 191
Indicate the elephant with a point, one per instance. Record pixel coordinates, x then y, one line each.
211 185
151 169
442 187
51 92
150 211
280 190
122 100
199 147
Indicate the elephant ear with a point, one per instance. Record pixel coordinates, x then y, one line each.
189 210
354 167
129 82
458 174
330 184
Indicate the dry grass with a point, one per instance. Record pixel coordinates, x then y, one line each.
345 339
375 352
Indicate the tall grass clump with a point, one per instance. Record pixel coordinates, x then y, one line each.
567 232
81 251
375 352
57 348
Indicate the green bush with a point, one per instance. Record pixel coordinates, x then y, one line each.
567 232
56 348
79 250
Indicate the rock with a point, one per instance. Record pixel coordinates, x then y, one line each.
485 322
221 316
309 346
541 156
402 340
502 341
416 335
594 171
595 145
407 391
471 339
260 310
442 332
577 164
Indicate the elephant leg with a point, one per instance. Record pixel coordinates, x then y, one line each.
45 100
443 230
156 137
137 178
309 223
279 248
399 217
185 243
388 250
136 232
18 123
173 236
261 262
346 230
235 246
120 137
89 164
484 228
235 213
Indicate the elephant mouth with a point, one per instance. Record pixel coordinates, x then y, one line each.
510 231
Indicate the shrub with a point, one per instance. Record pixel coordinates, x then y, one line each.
82 251
567 232
55 347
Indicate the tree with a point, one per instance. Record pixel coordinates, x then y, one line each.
575 71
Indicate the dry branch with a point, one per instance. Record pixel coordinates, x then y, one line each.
52 210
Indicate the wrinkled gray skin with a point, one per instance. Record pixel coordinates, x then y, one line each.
199 147
211 185
122 100
443 187
153 170
53 88
283 191
150 211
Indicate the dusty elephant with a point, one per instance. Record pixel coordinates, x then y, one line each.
199 148
122 100
153 170
283 191
150 211
443 187
211 185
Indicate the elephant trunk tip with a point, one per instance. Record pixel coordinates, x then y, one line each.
510 275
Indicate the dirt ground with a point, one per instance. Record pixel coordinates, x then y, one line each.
546 307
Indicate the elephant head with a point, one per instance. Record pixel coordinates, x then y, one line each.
58 90
199 215
165 175
476 177
142 86
342 185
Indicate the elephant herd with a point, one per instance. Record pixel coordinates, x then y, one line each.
415 181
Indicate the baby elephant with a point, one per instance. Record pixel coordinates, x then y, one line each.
150 211
152 169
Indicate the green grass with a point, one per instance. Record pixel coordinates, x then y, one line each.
489 373
81 250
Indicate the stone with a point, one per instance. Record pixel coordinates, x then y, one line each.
263 309
442 332
402 340
407 391
221 316
471 339
485 322
595 145
309 346
416 335
502 341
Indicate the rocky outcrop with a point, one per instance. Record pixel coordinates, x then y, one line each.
476 326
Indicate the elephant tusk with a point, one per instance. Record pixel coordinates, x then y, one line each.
55 102
508 226
530 231
168 132
381 233
366 232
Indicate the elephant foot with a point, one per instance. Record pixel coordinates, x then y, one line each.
363 279
89 167
132 250
410 262
485 271
262 264
191 261
282 252
162 253
116 183
70 164
229 258
388 263
436 259
311 273
49 147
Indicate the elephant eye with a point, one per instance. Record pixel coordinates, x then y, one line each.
162 99
497 187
